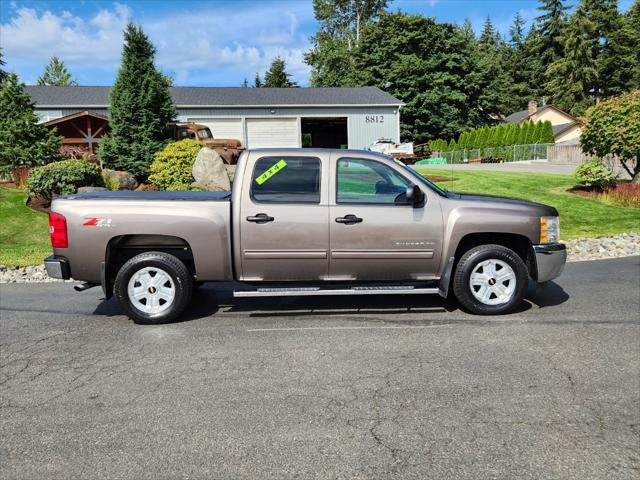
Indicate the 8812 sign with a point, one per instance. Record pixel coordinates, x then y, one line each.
374 119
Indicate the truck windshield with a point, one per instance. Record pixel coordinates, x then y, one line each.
204 133
424 180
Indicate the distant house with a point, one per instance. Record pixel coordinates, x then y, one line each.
566 127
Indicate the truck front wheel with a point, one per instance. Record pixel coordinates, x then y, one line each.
153 288
490 280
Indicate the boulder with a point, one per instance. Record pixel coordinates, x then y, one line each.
118 180
92 189
210 172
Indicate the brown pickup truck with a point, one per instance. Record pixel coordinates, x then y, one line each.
306 222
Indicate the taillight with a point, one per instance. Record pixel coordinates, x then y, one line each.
58 230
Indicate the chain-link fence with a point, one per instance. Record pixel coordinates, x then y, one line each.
511 153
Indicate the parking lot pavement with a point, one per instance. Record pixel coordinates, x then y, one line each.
390 387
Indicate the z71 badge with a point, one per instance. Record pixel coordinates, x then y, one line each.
97 222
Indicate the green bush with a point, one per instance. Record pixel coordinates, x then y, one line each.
171 169
63 178
595 174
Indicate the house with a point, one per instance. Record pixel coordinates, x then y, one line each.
258 117
566 128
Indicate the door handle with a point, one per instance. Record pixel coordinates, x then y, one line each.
349 219
260 218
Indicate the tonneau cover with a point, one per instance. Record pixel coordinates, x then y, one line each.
152 195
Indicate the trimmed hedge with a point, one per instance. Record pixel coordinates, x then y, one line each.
63 178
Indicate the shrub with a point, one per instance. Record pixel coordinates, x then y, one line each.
171 169
594 174
63 178
623 195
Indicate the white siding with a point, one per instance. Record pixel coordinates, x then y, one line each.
222 127
272 132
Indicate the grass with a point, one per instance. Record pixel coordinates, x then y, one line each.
579 216
24 233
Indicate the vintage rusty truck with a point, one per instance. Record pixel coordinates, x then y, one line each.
228 148
306 222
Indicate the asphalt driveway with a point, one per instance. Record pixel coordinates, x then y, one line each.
391 387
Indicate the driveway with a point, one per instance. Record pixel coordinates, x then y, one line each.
391 387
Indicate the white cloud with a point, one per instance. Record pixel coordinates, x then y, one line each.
216 45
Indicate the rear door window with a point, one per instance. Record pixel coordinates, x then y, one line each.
286 180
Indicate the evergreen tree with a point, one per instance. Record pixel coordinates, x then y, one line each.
572 79
277 76
140 108
341 25
547 132
245 83
23 140
257 81
632 24
516 31
3 75
551 25
56 73
489 35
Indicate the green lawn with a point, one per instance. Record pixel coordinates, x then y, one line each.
579 216
24 233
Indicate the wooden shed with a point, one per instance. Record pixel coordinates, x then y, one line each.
80 131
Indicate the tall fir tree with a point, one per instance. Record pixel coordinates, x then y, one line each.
257 81
551 25
245 83
140 108
3 75
572 79
56 73
276 76
24 141
341 25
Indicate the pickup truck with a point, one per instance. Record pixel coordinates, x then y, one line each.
306 222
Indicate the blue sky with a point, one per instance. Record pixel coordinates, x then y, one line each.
200 43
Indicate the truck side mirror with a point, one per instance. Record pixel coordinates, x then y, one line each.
415 196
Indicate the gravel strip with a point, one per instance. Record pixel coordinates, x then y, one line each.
580 249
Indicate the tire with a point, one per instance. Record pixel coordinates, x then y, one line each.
143 298
490 280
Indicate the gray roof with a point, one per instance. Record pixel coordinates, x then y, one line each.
53 96
562 127
517 117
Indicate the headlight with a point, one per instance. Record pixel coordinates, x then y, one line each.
549 229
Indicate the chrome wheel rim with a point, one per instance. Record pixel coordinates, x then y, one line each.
492 282
151 290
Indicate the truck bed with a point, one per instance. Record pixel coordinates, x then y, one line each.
98 221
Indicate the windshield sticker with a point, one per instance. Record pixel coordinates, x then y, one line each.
271 172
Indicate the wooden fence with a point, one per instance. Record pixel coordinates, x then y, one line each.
571 154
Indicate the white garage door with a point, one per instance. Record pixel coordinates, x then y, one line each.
272 132
222 127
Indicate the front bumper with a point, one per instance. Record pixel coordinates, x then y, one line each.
550 260
57 267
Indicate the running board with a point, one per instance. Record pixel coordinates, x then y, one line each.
317 291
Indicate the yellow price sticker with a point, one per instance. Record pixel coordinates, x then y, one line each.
271 172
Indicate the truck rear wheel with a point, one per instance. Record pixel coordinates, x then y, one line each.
490 280
153 288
